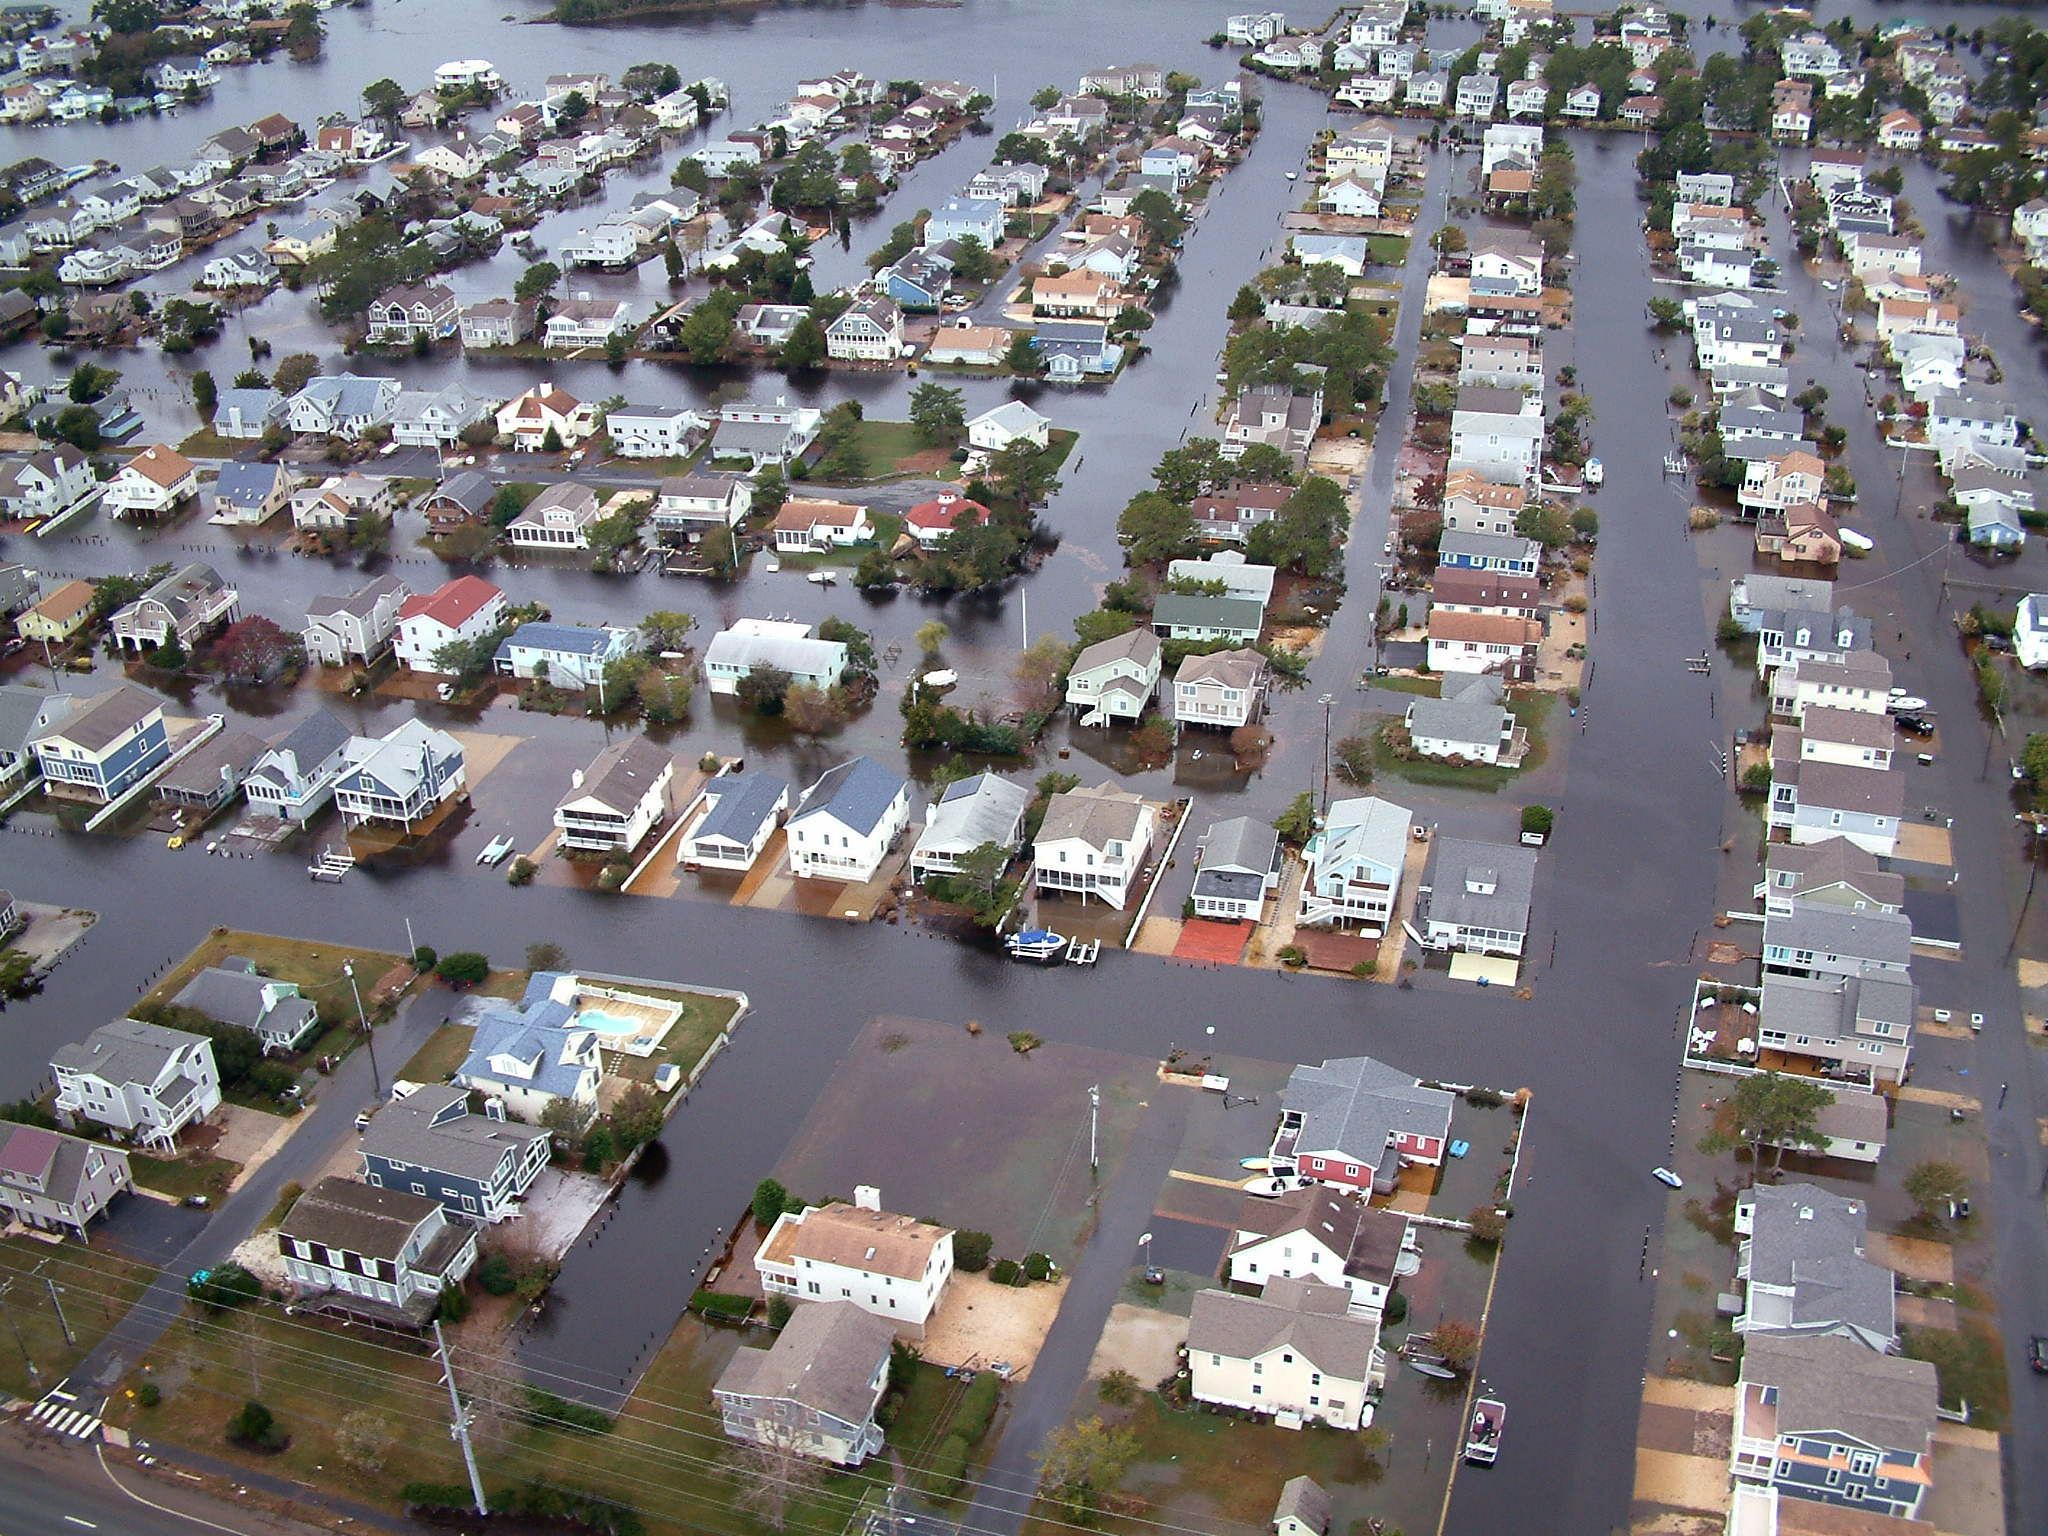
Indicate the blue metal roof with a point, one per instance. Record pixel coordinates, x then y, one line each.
565 639
246 485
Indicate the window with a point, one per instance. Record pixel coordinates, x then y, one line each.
1257 1390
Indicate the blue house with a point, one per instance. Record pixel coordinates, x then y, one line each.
959 217
1510 554
1995 525
573 655
1073 348
106 746
432 1144
919 281
1831 1420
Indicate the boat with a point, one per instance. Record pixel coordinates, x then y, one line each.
821 578
1292 174
495 850
1482 1440
944 678
1256 1164
1434 1368
1595 471
1040 946
1858 541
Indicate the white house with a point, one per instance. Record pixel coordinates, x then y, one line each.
1239 868
1114 679
1093 842
465 609
740 812
654 431
1354 864
150 484
295 778
386 1254
847 821
2030 631
587 322
1012 421
1297 1351
1322 1235
968 813
815 1390
138 1080
1221 688
870 331
804 525
343 405
544 418
785 645
560 517
1468 722
892 1266
613 804
568 655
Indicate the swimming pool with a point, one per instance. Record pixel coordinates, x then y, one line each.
607 1024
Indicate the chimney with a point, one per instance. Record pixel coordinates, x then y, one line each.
866 1197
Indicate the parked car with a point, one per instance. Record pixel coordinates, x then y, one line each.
1914 724
2037 1353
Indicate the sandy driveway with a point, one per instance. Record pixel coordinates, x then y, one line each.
1140 1340
981 1322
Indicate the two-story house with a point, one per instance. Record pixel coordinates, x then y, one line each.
356 628
1093 842
1225 689
105 746
1829 1420
1322 1235
969 813
1858 1027
183 606
382 1254
1802 1267
45 484
870 331
402 779
1297 1351
295 778
413 312
432 1143
613 804
690 504
1354 861
528 1055
1475 896
1114 679
1353 1123
847 822
815 1390
463 610
151 484
892 1266
654 431
55 1182
138 1080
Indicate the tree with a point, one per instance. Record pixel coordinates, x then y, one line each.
971 1250
814 711
973 263
255 1427
255 650
1039 673
804 348
938 413
1163 222
763 690
88 383
1154 528
841 459
205 394
384 99
774 1473
665 629
770 1201
1772 1110
292 374
541 955
1082 1463
706 334
464 968
1933 1186
690 172
1297 824
637 1117
538 281
1248 305
1022 357
1458 1342
1196 468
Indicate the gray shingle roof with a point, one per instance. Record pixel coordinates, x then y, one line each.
1470 713
825 1360
1095 816
1455 863
1835 1384
433 1128
238 997
125 1051
745 801
98 720
1354 1106
357 1218
857 793
1201 610
1313 1319
973 811
1810 1242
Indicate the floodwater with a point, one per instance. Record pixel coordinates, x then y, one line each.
1624 886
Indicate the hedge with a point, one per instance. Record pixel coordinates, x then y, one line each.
947 1468
722 1306
549 1411
977 1408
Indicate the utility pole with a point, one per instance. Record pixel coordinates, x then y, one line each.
70 1342
20 1343
1327 700
411 948
458 1429
1094 1105
369 1038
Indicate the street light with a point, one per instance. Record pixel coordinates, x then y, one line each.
348 969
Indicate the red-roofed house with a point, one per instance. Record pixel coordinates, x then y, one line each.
467 608
528 420
151 483
930 521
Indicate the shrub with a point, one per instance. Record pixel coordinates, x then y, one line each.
947 1468
778 1312
1538 818
1576 603
497 1276
600 1148
1024 1042
971 1250
721 1306
1005 1271
453 1306
149 1394
1483 1098
548 1411
1118 1387
225 1287
256 1428
1037 1266
1397 1307
977 1408
770 1201
1488 1225
464 968
1293 954
424 959
522 871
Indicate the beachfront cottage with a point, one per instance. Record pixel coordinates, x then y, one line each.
431 1143
545 419
295 778
1830 1421
785 645
1223 688
1355 860
1353 1123
969 813
560 517
1469 722
151 484
236 993
137 1080
381 1254
1240 866
892 1266
814 1391
1802 1266
1093 842
1012 421
848 821
55 1182
1114 679
184 607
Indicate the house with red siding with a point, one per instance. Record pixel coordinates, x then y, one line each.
1354 1122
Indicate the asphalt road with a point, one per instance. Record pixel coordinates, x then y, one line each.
49 1488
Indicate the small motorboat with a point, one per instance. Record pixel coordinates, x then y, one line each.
1482 1440
1292 174
1432 1368
821 578
1595 472
495 851
945 677
1038 946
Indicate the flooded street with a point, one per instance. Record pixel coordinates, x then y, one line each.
1625 888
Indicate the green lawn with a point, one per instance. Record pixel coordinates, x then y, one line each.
94 1288
703 1020
1428 687
194 1174
436 1061
886 445
1529 712
1969 1363
204 444
1388 250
